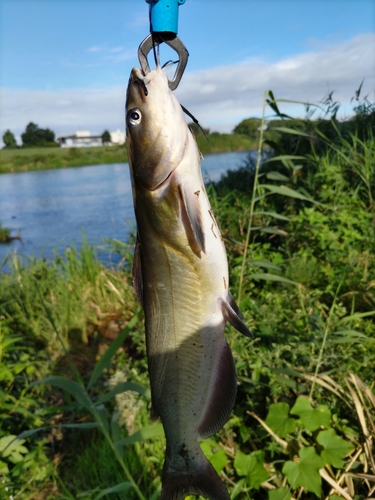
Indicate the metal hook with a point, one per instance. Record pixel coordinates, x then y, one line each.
175 43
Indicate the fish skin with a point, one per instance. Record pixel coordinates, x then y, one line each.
181 279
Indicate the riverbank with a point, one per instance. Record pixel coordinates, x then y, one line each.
27 159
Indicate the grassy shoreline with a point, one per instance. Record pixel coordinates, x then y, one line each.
307 295
28 159
300 238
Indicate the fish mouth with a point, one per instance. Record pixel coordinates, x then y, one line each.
139 78
142 84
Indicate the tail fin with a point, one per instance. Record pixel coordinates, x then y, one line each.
202 480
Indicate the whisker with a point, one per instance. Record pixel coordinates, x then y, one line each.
195 121
169 63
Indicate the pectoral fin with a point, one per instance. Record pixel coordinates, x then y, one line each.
192 219
234 316
137 272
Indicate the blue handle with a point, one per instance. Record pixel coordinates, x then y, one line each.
164 15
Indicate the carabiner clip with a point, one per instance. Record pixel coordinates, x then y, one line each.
155 39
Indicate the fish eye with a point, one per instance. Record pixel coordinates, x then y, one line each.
134 117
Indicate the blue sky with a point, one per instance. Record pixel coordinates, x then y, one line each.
64 64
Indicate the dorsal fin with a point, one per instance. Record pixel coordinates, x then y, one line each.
234 316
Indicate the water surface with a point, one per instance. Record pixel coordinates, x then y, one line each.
50 209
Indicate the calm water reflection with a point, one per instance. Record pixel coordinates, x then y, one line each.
51 208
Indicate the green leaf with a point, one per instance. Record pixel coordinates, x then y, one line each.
276 176
272 103
238 488
109 353
10 445
252 467
285 157
273 214
115 428
280 494
218 458
271 277
84 425
114 489
349 336
355 316
272 230
312 418
264 263
279 421
335 448
148 432
291 131
285 191
122 387
305 473
102 416
3 468
73 388
261 197
26 434
8 340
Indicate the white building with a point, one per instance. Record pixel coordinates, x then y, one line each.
117 137
84 139
80 139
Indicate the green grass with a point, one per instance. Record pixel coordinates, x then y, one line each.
25 159
4 234
301 248
220 143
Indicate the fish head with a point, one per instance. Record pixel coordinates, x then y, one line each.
156 130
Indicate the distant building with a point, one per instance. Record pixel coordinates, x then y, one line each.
84 139
80 139
117 137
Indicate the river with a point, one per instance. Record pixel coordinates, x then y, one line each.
50 209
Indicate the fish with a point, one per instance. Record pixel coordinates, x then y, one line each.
180 275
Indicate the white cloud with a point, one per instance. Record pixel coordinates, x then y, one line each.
105 54
117 56
117 49
63 111
219 97
95 48
139 20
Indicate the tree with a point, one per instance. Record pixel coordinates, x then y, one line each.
106 137
9 140
248 127
35 136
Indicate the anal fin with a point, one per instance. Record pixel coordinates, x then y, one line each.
234 316
223 396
